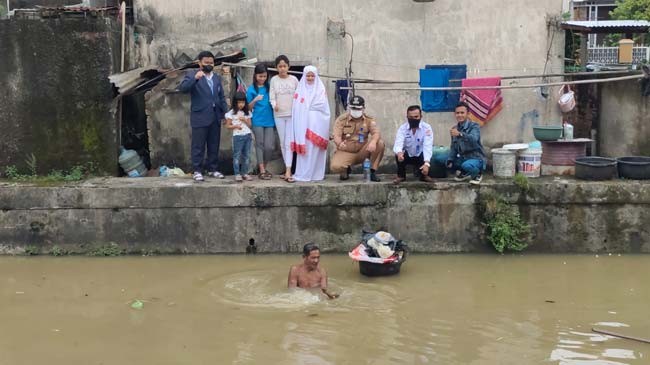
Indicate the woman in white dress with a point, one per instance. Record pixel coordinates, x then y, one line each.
311 123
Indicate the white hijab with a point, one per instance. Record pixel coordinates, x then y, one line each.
310 113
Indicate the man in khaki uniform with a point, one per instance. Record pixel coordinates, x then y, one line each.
357 137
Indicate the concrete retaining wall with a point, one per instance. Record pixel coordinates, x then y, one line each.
176 216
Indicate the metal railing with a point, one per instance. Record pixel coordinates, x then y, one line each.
610 54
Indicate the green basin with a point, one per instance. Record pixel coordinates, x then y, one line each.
548 133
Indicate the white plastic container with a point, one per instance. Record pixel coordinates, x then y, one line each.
530 162
505 162
568 132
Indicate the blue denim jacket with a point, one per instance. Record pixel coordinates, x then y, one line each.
468 146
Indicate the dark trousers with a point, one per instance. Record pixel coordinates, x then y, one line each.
417 162
210 136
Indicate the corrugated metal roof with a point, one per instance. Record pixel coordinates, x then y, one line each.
129 80
607 23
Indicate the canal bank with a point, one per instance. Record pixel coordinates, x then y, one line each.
175 215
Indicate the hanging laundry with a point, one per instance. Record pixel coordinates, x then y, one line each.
484 104
343 94
434 101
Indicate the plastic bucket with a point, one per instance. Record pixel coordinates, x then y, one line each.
530 162
505 162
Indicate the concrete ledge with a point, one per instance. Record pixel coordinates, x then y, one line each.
175 215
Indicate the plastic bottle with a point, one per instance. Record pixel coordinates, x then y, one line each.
366 170
131 163
362 137
568 131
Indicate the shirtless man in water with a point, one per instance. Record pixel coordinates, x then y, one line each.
309 274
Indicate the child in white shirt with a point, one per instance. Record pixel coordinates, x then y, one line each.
238 119
283 88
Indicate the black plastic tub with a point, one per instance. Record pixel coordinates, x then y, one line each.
372 269
634 167
596 168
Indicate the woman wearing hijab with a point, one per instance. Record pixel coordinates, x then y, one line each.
311 123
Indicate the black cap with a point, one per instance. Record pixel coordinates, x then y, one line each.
357 102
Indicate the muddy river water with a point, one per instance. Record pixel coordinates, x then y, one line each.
443 309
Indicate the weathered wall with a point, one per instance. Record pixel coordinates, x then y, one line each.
176 216
393 39
624 128
55 98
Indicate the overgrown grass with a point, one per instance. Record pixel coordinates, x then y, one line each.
521 180
76 173
32 250
506 230
111 249
59 251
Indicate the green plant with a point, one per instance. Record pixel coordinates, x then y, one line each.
11 172
566 15
58 251
505 228
31 250
111 249
55 175
521 180
629 10
31 164
75 174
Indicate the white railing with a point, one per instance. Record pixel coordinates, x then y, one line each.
610 54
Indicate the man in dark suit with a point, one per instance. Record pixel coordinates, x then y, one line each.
207 112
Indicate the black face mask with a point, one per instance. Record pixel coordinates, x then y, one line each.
414 123
207 69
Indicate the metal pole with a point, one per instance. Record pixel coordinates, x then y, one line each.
123 12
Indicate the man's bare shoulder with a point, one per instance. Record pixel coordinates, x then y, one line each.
295 269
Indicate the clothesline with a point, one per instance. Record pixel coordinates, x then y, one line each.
370 81
531 86
508 77
291 72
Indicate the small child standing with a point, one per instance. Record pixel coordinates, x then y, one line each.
283 87
238 119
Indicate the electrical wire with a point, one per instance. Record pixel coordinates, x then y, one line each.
532 86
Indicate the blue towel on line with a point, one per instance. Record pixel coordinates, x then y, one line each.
434 100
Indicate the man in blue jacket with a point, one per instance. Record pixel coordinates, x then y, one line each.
207 112
466 154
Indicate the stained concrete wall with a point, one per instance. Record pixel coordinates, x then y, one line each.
176 216
624 126
393 39
55 99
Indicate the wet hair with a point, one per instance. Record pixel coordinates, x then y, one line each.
414 107
308 248
260 68
239 96
282 58
462 104
205 54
